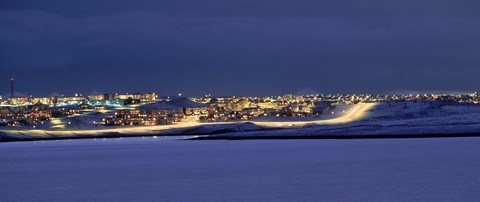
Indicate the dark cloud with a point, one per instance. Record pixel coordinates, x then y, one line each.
239 47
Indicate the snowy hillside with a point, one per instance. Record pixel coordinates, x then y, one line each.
174 104
394 118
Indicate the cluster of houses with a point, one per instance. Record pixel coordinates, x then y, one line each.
92 100
215 110
34 114
143 117
148 110
244 108
159 113
17 111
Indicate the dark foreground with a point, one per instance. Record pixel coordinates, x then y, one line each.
227 136
149 169
339 137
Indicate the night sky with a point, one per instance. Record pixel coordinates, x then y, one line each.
246 47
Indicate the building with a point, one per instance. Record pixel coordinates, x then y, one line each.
148 97
43 100
75 99
99 97
18 100
142 117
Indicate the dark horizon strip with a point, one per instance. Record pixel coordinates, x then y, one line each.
338 137
288 137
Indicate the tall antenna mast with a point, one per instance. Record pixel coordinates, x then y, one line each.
11 88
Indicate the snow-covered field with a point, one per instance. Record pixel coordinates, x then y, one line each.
149 169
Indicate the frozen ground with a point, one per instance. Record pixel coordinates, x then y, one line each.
149 169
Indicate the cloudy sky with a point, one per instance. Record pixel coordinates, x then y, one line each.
247 47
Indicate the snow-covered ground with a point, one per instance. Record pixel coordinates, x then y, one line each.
393 118
151 169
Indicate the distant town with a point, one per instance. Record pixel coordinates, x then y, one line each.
149 109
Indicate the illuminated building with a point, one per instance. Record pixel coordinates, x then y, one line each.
72 99
43 100
98 97
147 97
141 117
18 100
